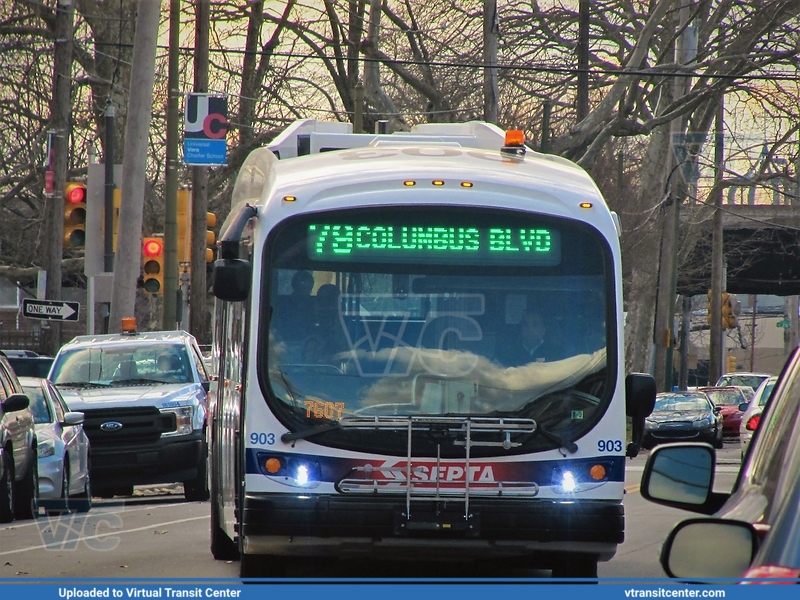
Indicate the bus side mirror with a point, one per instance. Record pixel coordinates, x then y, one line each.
640 398
232 277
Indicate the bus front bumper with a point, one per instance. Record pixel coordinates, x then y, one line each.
284 524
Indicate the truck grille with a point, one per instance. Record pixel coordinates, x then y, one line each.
140 425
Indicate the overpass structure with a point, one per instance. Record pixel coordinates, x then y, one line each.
761 247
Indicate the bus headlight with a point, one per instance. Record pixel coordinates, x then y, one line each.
183 420
295 471
580 477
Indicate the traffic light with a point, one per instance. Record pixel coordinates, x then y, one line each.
728 318
211 238
153 264
74 215
731 363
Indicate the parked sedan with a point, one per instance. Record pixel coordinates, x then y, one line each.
62 445
729 399
752 413
739 378
683 416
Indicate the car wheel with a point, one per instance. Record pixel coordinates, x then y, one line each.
7 491
83 502
718 443
26 494
196 490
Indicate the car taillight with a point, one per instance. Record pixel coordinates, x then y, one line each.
752 422
768 572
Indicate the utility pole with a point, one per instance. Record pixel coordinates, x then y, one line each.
491 92
61 117
108 196
198 322
716 350
664 335
582 97
686 325
754 305
170 315
128 259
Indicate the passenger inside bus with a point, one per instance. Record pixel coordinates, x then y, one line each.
302 283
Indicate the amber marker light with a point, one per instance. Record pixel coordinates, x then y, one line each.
466 184
409 183
515 137
586 205
129 324
272 465
437 182
289 198
597 472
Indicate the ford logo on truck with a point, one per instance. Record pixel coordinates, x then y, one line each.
111 426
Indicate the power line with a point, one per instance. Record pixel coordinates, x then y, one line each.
655 72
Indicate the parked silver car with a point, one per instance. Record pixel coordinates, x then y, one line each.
63 450
753 411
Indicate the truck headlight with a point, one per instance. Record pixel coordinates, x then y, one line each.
183 420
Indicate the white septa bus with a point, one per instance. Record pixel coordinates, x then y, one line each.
420 354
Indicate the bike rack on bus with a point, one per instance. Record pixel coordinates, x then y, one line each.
401 479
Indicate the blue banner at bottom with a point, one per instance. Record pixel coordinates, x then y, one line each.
391 589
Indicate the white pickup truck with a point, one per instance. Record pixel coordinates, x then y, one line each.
145 401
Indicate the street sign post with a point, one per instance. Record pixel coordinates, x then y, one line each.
51 310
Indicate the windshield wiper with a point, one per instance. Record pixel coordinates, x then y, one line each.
290 436
568 445
134 381
82 384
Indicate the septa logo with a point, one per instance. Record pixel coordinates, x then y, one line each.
454 474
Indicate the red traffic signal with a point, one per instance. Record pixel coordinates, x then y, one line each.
153 267
74 214
152 247
75 192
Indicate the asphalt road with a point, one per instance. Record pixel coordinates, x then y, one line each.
156 534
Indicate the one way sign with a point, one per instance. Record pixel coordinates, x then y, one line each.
51 310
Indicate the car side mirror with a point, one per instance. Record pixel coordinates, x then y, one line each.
743 406
640 398
717 410
692 549
681 475
73 418
15 402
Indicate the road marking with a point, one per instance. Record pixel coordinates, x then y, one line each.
719 469
99 508
632 489
102 535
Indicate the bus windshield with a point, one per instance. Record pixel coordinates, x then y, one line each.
436 312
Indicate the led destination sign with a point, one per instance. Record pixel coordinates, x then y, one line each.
402 243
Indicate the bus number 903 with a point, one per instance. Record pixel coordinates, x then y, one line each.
609 446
